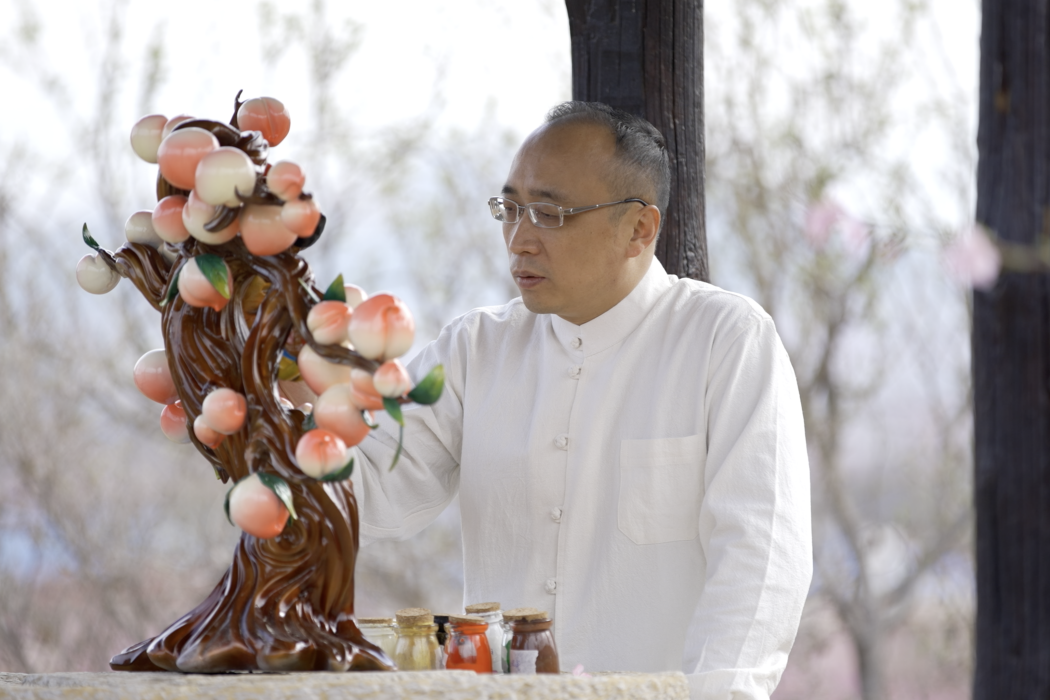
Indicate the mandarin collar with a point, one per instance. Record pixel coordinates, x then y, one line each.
618 322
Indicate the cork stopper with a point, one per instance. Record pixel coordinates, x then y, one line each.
375 620
482 608
526 614
414 617
465 620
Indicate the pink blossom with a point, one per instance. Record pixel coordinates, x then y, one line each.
821 218
578 672
973 259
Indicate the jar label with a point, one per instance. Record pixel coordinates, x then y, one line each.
523 660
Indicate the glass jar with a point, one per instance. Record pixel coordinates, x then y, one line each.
379 631
498 634
532 647
417 647
442 636
467 648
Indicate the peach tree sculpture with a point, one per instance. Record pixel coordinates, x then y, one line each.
219 259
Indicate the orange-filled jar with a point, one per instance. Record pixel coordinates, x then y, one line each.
467 647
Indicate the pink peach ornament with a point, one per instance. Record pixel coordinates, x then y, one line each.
301 216
263 231
181 152
266 115
222 174
139 229
320 453
256 509
196 214
337 413
146 136
173 423
95 276
153 377
208 436
328 322
172 123
196 290
318 373
167 219
225 411
285 179
364 390
391 380
354 295
382 328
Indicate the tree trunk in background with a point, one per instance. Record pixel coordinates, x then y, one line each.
1011 360
646 57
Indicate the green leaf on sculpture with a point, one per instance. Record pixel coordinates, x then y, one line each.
226 504
394 409
215 270
341 475
280 489
400 443
429 390
366 416
336 291
88 239
288 369
173 289
309 423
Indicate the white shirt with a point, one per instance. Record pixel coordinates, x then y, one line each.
642 477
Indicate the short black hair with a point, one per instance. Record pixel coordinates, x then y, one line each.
639 146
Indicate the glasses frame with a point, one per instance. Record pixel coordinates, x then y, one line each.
494 202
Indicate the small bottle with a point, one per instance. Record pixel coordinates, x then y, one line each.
379 631
532 647
442 636
417 647
498 634
467 648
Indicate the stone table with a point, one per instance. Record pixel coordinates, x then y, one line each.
438 685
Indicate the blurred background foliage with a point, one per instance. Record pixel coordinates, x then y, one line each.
840 163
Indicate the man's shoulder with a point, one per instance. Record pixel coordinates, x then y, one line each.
492 320
712 308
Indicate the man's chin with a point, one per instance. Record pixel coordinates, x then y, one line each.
536 303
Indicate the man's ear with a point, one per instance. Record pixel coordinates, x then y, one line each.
646 228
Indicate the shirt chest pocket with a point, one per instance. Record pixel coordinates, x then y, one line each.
661 487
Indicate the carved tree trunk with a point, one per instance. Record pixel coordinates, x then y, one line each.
646 57
286 604
1011 360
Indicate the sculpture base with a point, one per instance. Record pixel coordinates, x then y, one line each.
439 685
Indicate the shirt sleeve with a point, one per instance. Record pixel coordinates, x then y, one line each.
398 503
755 523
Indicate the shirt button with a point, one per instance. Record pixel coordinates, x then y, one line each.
562 442
576 343
574 372
556 515
551 586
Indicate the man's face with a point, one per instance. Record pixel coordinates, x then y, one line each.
579 270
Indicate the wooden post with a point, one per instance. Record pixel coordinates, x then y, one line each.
1011 360
646 57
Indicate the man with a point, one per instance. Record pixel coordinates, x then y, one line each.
627 446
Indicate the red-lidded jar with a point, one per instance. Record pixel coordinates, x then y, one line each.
532 648
467 647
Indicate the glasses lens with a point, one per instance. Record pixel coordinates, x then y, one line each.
504 210
545 215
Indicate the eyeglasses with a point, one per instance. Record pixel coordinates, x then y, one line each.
543 214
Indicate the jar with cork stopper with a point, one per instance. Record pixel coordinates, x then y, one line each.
498 633
379 631
467 648
417 646
532 648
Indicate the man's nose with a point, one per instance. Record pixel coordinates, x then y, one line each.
522 237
